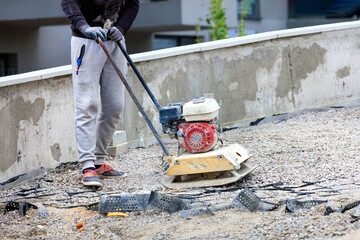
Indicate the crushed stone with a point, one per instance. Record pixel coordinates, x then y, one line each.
322 148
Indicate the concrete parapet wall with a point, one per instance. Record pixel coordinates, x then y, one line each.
249 76
36 126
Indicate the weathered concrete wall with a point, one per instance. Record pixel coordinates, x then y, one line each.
254 79
251 76
36 126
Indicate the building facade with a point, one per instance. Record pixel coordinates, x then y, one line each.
270 15
35 33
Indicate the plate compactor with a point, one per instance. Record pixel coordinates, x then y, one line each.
203 161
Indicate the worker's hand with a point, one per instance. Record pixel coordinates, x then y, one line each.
115 34
94 32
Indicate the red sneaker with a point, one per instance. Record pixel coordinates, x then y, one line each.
91 179
105 171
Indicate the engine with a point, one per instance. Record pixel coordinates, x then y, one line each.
192 123
197 137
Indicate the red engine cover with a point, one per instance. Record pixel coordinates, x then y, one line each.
199 137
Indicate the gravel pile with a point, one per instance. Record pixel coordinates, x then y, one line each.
315 156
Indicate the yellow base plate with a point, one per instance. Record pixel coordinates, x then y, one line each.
220 160
208 179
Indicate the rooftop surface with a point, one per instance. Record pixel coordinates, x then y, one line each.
314 156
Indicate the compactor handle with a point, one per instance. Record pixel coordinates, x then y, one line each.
123 50
128 88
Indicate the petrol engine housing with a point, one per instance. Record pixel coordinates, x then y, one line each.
192 123
199 137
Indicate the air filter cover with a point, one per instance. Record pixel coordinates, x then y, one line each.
201 109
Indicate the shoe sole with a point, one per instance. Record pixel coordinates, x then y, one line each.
92 184
119 177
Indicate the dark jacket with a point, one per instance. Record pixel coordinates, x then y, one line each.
95 12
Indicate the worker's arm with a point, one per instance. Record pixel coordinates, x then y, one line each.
72 11
127 17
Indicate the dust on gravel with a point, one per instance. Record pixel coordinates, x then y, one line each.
321 147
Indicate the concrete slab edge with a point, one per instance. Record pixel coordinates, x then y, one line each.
35 75
176 51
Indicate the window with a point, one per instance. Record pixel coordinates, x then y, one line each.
324 8
8 64
251 8
161 42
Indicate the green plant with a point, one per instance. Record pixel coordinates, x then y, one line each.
243 13
198 39
217 21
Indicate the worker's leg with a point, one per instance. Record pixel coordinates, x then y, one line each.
86 90
112 101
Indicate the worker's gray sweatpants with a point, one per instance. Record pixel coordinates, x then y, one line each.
96 73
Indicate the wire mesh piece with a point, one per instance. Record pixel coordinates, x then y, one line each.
293 205
166 203
247 201
194 212
125 203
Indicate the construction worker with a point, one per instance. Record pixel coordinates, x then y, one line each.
92 72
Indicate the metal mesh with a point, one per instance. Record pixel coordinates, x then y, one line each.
141 202
163 202
293 205
194 212
247 201
11 206
349 206
126 203
23 207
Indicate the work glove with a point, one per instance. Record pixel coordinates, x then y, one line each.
94 32
115 34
